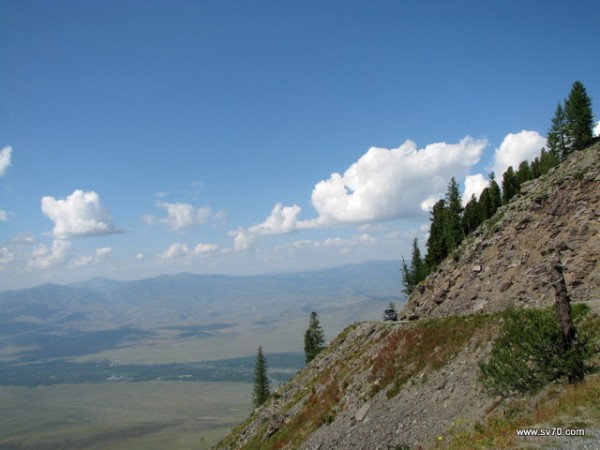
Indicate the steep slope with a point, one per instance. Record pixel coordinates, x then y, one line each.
414 384
507 260
358 394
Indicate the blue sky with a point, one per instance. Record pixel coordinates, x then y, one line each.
148 137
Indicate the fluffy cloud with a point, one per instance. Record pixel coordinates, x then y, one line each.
5 156
391 184
180 216
44 256
80 214
474 184
283 220
597 129
242 239
515 148
83 261
384 184
179 251
6 256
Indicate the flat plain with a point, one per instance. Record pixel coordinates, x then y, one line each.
151 415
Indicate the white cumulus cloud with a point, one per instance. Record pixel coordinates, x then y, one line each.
44 256
6 256
515 148
474 184
180 216
242 239
386 184
597 129
80 214
283 220
179 250
5 157
83 261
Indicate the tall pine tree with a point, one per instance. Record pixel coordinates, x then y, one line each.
510 185
558 135
261 381
495 194
415 273
437 248
548 160
524 172
580 119
454 232
471 218
314 338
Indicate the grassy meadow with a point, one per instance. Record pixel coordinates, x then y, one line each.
149 415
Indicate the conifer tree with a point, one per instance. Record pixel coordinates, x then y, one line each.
314 338
510 185
580 119
548 160
495 195
485 205
408 283
536 168
454 232
471 218
490 199
415 273
261 381
558 136
437 248
524 172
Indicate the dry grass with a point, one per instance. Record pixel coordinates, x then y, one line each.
555 409
121 416
428 344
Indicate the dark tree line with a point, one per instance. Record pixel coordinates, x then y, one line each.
451 222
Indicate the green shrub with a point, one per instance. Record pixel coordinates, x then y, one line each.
529 353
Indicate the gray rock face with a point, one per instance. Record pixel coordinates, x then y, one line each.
506 261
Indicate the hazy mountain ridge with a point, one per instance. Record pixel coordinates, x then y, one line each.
414 384
155 308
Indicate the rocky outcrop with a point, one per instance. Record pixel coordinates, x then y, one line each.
507 260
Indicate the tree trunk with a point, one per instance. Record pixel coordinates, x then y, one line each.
569 332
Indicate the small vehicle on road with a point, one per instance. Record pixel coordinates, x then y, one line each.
390 315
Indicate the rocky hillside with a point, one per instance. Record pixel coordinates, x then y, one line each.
414 384
507 258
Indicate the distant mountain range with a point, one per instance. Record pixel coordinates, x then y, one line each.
229 315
